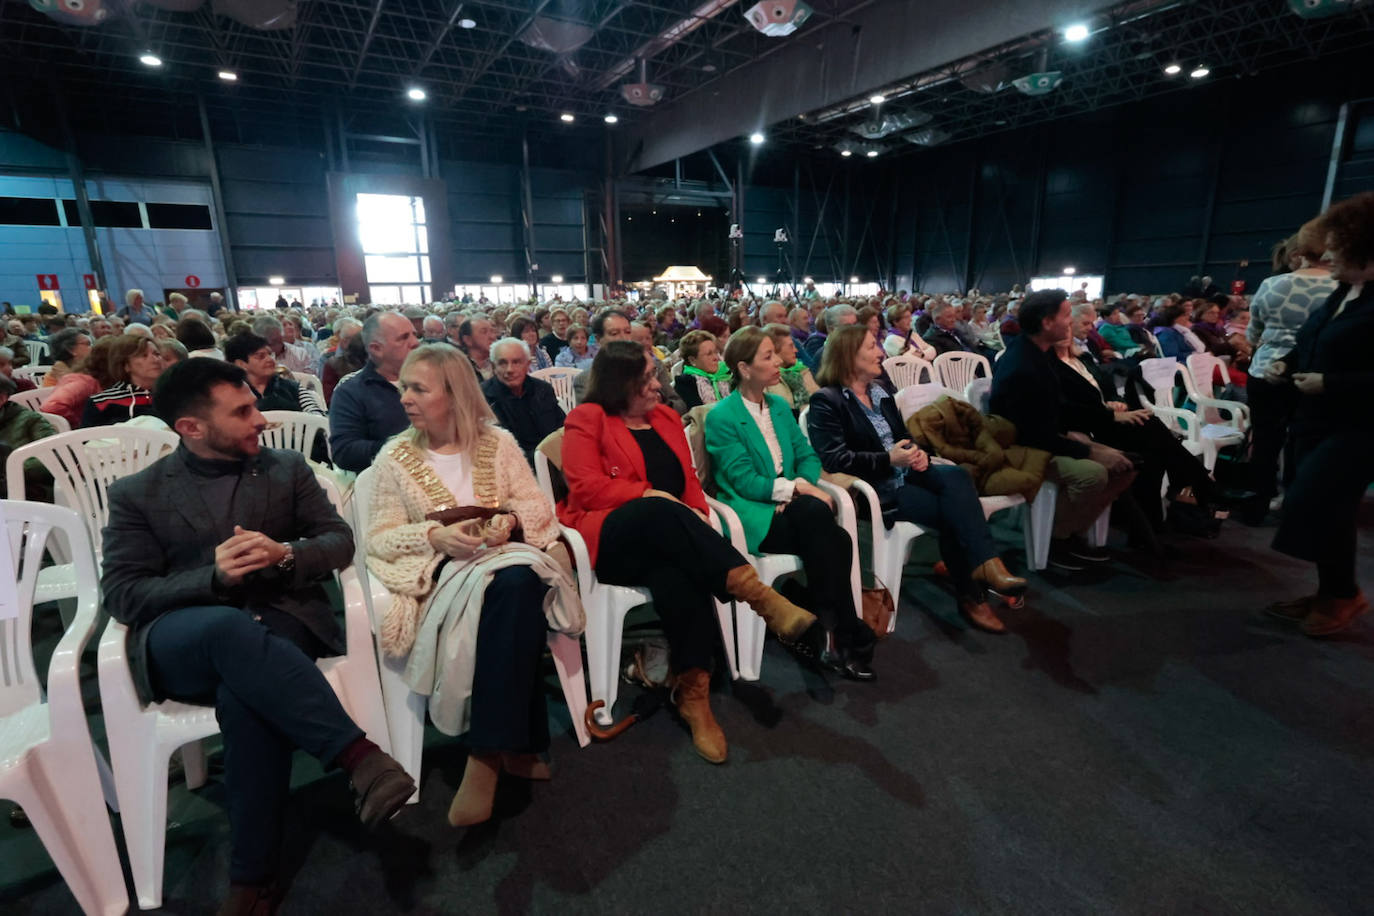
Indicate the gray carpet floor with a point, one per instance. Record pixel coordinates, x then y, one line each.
1132 745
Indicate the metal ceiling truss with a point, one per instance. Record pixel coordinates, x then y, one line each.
1122 62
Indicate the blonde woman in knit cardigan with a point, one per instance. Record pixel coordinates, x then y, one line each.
471 599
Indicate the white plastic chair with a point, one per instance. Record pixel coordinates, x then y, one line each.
295 430
1202 369
57 422
83 464
38 349
307 380
914 397
48 764
142 738
34 374
606 605
978 392
561 378
1200 438
908 370
33 400
956 369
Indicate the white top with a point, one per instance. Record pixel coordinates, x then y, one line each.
763 418
1355 290
455 471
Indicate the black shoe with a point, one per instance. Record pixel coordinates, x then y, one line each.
1061 560
1080 550
850 665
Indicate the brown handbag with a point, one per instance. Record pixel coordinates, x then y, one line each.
878 608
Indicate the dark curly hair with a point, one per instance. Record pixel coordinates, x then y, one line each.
1350 225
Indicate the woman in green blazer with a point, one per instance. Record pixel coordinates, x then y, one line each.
766 470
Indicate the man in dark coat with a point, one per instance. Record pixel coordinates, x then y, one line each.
366 409
215 558
524 405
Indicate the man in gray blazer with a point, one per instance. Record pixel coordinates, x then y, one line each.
215 557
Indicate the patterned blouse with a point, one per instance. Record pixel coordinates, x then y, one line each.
1280 306
876 395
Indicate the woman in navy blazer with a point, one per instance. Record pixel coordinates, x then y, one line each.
856 429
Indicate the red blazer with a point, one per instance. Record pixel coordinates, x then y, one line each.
605 468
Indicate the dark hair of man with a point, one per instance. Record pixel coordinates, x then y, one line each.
1039 306
193 333
241 346
599 322
188 388
617 374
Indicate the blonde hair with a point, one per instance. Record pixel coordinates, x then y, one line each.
470 413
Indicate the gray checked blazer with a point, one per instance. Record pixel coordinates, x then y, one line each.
159 548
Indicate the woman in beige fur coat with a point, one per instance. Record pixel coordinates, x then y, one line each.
471 600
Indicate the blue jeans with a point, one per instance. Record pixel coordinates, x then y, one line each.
952 509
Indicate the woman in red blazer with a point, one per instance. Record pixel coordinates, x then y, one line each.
634 498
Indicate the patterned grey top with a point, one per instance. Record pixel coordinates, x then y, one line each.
1278 309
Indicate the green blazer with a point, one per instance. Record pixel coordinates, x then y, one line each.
742 466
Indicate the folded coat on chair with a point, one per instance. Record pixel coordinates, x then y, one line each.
984 446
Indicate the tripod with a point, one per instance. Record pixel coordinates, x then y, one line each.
781 275
736 276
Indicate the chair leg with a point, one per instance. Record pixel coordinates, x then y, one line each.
567 660
604 625
140 771
1038 525
1101 529
749 636
356 684
193 764
725 613
405 719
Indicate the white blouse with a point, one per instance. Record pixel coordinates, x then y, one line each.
455 471
763 418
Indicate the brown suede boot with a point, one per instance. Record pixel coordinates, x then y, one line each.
981 616
473 801
527 766
692 696
783 617
994 575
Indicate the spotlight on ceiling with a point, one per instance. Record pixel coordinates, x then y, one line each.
642 93
872 154
556 278
756 138
467 23
846 153
611 119
567 117
496 278
1070 271
1173 70
877 99
229 76
778 18
1076 32
853 279
1200 72
761 280
416 94
149 59
275 281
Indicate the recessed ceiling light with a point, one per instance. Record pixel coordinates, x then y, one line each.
846 153
275 281
761 280
149 59
415 94
1076 32
853 279
1173 70
229 76
1200 72
756 138
1070 271
877 99
496 278
467 24
611 119
566 117
556 278
872 154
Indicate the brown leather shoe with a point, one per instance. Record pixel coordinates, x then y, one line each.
994 575
783 618
1331 615
692 696
1292 611
981 616
381 787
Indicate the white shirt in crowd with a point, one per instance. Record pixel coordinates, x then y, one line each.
783 489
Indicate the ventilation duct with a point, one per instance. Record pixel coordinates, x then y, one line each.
1039 83
890 123
931 136
557 36
989 79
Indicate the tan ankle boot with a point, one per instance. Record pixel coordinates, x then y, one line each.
692 696
783 617
994 575
527 766
473 801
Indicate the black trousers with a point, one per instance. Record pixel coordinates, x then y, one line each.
663 546
807 528
950 507
508 708
1162 454
269 698
1271 410
1321 508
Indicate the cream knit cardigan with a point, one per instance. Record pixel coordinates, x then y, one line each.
398 550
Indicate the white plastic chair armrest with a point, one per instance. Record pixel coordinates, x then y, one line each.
582 562
734 528
1188 422
1237 413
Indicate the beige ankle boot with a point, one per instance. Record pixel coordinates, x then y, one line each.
783 617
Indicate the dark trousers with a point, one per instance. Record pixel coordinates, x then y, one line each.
807 528
1271 410
269 698
950 507
663 546
1322 506
508 710
1161 454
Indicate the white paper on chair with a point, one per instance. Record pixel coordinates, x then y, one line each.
9 582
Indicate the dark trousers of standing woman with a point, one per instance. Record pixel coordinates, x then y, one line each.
951 508
269 698
807 528
1271 410
663 546
1162 454
508 710
1322 506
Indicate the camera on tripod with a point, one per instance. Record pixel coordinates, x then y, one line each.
735 231
780 237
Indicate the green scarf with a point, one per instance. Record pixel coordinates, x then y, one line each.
721 374
796 369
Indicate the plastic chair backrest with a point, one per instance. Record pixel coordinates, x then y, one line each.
548 466
28 527
561 378
37 349
979 393
33 400
1204 368
294 430
58 422
1161 374
306 380
914 397
84 462
956 369
908 370
361 505
35 374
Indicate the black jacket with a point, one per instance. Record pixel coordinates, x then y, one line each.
159 547
847 443
1026 390
945 341
1082 408
529 416
1338 348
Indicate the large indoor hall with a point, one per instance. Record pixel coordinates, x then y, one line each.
686 456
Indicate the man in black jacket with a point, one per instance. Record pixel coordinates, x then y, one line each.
525 406
1026 391
215 558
